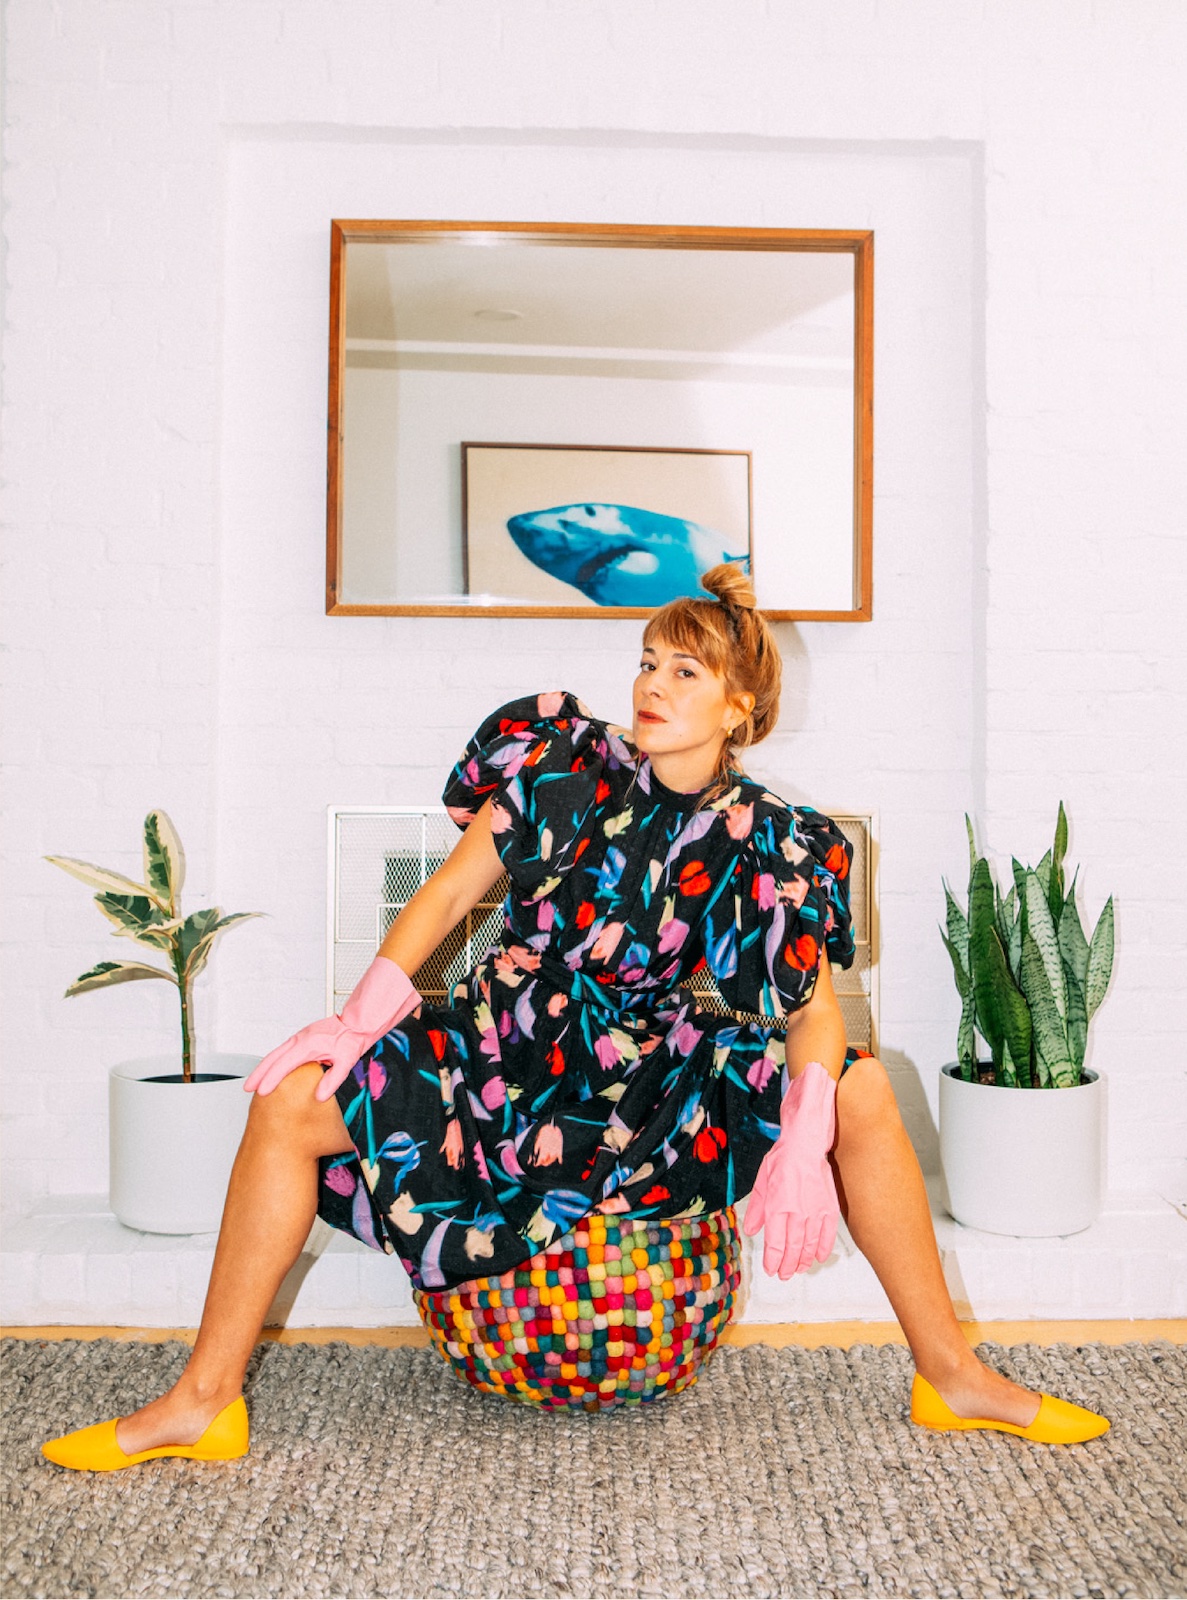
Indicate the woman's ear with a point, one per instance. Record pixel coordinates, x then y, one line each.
740 707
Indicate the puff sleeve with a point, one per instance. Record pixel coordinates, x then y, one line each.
542 762
791 903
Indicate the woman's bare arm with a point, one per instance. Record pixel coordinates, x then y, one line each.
816 1032
441 902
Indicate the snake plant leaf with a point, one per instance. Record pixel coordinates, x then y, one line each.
1077 1021
1073 946
1019 872
958 927
1014 949
964 986
1001 1012
965 1041
1053 1062
1040 927
1100 959
1043 872
199 953
1007 1075
164 861
137 917
97 877
1058 852
968 828
1001 1008
107 973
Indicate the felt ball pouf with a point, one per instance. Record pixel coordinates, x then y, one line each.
618 1311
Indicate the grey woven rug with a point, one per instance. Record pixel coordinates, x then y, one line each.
782 1473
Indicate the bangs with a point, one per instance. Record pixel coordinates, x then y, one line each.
694 628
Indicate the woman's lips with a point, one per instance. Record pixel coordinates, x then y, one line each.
649 716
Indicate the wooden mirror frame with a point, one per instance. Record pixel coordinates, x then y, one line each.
860 244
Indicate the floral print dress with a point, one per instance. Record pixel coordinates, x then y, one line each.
572 1073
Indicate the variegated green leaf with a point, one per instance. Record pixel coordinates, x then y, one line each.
965 1040
957 924
137 917
1052 1056
1014 949
968 828
1058 852
164 861
200 953
1007 1075
1043 872
1001 1012
1019 872
959 972
107 973
97 877
1005 908
1041 928
1100 959
1077 1020
1073 946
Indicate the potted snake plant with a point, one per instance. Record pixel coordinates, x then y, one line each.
173 1130
1022 1132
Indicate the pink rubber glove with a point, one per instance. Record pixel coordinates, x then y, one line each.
383 996
794 1195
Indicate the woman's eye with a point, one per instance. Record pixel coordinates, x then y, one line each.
646 666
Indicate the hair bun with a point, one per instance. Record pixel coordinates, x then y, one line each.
729 584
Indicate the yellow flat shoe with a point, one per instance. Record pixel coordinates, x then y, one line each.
97 1450
1057 1422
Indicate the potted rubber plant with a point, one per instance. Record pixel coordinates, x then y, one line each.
1022 1132
174 1130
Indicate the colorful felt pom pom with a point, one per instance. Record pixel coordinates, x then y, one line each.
609 1336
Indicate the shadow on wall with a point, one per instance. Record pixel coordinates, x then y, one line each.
797 677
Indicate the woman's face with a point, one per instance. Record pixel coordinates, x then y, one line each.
682 710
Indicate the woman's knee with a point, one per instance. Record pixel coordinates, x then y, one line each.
865 1094
291 1110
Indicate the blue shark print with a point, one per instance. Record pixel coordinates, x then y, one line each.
622 555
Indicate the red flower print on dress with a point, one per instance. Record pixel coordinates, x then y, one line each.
556 1059
837 862
585 913
694 879
709 1143
803 954
656 1193
437 1042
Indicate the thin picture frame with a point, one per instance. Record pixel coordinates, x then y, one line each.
693 506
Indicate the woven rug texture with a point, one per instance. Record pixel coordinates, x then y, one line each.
781 1473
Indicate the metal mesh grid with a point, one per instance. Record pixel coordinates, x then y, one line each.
380 857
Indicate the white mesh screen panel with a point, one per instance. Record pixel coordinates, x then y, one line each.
379 857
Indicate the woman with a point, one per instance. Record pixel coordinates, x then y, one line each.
572 1073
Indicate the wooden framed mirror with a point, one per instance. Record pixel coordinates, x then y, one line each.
536 419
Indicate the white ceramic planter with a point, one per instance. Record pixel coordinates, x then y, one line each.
172 1145
1024 1162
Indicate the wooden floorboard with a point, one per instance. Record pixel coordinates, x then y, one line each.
807 1335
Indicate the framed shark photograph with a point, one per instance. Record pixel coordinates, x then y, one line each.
600 526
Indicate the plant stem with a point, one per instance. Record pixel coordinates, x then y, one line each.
187 1068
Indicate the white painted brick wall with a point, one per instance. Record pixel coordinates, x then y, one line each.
163 430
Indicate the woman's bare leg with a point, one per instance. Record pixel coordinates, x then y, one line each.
270 1206
884 1201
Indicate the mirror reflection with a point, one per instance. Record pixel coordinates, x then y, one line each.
531 420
